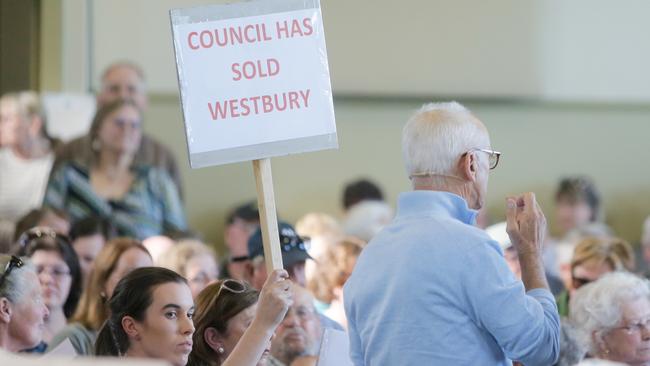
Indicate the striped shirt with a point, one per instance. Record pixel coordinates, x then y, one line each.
151 206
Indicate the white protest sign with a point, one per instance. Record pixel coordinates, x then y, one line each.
254 80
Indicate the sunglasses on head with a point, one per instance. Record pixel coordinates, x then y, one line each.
38 232
30 236
14 262
232 286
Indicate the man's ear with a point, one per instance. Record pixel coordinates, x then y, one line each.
213 339
6 310
131 327
468 166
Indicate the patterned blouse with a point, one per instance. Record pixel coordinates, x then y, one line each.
150 207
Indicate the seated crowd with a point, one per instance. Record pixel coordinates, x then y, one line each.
96 253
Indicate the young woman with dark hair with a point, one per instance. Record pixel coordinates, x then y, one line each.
88 237
151 317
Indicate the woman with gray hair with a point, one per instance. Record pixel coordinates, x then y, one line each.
22 310
612 318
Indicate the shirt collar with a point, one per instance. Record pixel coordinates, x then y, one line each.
436 203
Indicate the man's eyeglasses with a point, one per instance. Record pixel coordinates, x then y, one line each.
492 155
14 262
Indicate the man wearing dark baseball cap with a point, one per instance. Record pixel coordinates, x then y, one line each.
294 255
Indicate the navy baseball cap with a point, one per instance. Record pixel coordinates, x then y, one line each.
292 246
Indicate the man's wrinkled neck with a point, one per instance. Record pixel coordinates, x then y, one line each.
453 185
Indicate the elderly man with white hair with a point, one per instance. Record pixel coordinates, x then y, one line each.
431 288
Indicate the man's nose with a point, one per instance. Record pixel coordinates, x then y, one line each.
46 312
291 319
645 331
124 93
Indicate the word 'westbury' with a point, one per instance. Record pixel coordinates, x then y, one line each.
260 104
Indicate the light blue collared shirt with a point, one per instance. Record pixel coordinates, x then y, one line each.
431 289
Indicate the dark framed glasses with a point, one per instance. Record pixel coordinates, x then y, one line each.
493 161
14 262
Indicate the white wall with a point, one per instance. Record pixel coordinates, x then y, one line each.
551 49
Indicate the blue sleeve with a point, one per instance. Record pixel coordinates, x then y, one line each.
356 353
525 325
356 356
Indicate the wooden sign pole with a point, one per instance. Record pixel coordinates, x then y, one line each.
268 215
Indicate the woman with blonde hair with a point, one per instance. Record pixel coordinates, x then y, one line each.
26 155
333 270
118 257
193 260
592 258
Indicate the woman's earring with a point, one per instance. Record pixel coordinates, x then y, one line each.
96 145
221 350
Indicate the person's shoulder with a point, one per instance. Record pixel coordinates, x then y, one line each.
71 167
153 174
327 322
74 330
80 337
67 150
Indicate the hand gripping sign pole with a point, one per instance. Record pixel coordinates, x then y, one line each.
254 84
